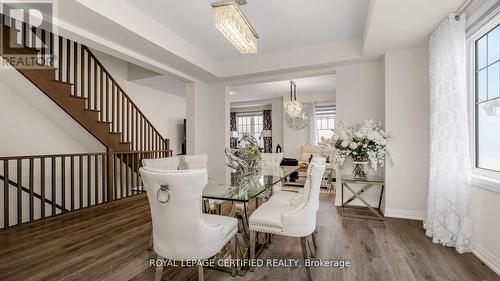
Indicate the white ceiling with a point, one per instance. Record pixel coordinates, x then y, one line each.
409 27
281 25
197 51
271 90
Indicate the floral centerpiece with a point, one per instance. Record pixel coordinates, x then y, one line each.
365 143
246 160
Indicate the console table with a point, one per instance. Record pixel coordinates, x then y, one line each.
367 183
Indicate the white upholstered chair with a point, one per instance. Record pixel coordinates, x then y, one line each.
199 161
271 161
189 162
180 230
169 163
294 198
293 220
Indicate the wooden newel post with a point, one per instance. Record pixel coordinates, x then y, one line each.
110 175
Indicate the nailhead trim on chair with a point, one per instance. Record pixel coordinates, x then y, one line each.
278 231
160 171
309 182
265 228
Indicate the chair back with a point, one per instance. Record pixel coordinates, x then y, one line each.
271 160
312 186
179 231
189 162
301 221
169 163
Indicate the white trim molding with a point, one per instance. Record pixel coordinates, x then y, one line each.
487 257
491 184
405 214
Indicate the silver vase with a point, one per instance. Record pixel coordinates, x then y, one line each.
359 169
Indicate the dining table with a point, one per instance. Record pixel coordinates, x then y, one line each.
238 191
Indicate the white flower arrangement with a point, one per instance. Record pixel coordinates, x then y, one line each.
365 142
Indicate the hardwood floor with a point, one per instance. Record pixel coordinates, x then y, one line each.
109 243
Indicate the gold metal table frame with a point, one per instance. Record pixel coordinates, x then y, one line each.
367 183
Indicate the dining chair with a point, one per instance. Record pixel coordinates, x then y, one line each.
284 219
294 198
169 163
271 161
180 230
200 161
196 161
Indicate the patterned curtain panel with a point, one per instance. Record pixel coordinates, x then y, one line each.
233 142
448 220
268 125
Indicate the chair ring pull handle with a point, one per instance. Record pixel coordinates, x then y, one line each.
163 194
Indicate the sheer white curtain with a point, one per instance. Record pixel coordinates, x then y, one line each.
448 219
312 133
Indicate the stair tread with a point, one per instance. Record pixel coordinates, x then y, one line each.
93 110
62 82
105 122
82 98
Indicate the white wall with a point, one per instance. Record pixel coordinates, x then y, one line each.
208 124
486 219
293 139
407 119
359 97
164 110
33 124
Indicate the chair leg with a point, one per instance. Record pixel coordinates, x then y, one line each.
252 248
303 241
158 271
200 273
314 239
150 243
234 251
312 248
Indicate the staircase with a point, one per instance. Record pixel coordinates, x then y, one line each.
35 187
79 84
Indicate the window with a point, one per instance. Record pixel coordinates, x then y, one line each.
250 123
487 99
325 121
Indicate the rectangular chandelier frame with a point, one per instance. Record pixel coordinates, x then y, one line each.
241 39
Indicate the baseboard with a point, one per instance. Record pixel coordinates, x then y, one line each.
404 214
487 257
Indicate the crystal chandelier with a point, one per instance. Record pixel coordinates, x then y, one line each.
296 114
293 107
230 20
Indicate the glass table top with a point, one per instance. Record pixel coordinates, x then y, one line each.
243 189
